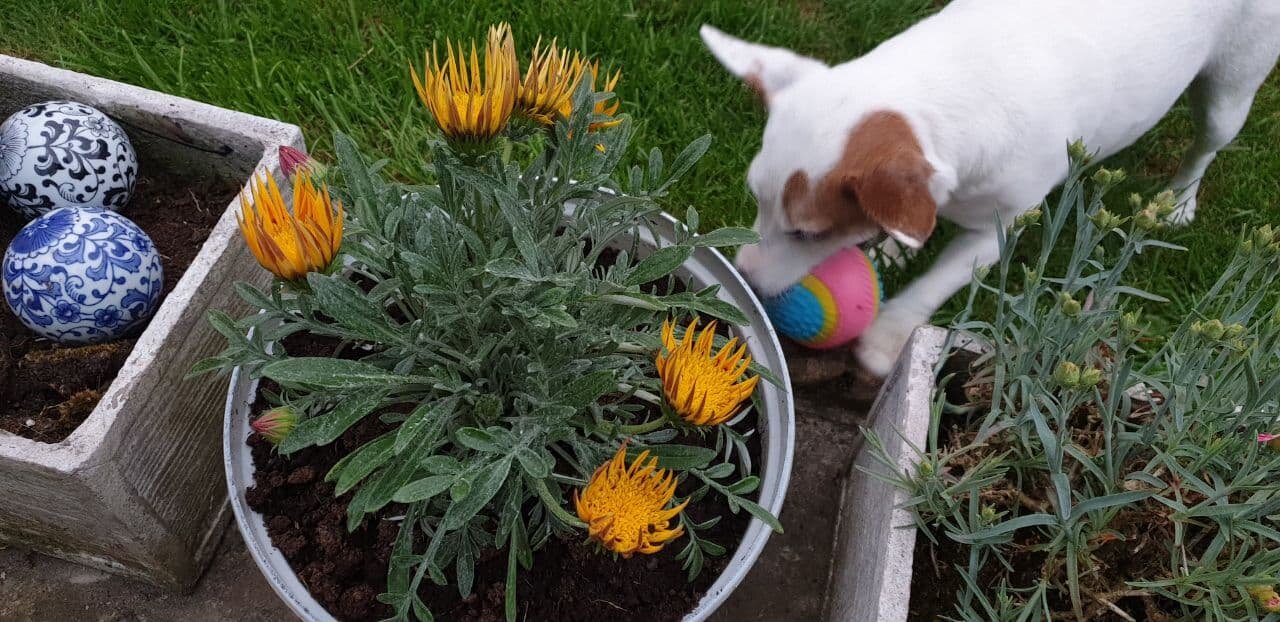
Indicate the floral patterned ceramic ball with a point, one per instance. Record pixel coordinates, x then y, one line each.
82 275
64 154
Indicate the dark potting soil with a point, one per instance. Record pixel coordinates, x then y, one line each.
571 581
46 389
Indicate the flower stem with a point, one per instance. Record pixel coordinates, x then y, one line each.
643 428
553 504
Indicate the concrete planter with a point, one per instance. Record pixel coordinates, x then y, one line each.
871 569
136 489
776 425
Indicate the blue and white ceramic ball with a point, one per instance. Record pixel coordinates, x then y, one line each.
82 275
64 154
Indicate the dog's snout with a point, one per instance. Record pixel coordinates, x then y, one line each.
747 259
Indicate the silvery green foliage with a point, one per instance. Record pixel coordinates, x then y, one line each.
1181 443
485 328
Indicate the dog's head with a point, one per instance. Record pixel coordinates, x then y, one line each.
822 185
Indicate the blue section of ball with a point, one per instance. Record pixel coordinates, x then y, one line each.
796 313
82 275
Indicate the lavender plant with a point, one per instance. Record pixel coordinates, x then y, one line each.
510 331
1095 471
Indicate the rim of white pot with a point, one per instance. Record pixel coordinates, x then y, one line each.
776 427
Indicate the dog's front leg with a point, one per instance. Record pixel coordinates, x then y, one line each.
878 347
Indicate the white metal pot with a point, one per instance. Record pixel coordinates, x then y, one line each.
776 427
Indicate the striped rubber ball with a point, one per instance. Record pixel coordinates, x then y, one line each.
832 304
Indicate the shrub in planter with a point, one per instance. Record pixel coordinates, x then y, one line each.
490 370
1095 471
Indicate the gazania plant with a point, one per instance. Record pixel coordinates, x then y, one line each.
533 375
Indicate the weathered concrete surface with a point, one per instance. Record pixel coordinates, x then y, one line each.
789 581
138 488
35 588
871 578
788 584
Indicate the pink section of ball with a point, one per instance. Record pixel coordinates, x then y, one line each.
855 288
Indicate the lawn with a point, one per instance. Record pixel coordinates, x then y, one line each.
327 64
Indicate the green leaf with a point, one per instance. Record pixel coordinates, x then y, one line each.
483 488
534 463
707 304
728 236
587 389
678 457
330 373
745 486
341 300
720 470
361 463
423 489
424 424
764 515
661 263
477 439
687 158
326 428
508 267
1002 529
509 598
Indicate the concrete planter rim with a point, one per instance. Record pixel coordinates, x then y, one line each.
103 496
873 561
776 428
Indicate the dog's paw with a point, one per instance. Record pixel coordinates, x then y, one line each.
879 346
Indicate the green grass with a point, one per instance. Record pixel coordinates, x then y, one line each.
327 64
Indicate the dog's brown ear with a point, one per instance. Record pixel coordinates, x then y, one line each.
885 175
765 69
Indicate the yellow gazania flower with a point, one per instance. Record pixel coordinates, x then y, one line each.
703 390
549 83
291 244
625 509
609 107
466 106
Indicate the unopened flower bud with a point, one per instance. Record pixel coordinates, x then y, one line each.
1067 374
1234 331
1099 253
1164 203
1197 327
1090 377
1028 218
1077 151
925 469
1214 329
1147 219
1135 201
294 161
988 515
1263 236
1267 597
1129 321
1070 306
276 424
1031 275
1101 219
981 272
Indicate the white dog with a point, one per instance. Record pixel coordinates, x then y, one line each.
967 115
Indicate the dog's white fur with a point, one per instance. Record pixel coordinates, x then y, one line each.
993 91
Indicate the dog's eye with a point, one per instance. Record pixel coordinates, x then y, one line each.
800 235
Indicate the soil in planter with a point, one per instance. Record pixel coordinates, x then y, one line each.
570 581
1138 552
46 389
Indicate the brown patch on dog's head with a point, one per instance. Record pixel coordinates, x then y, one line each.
756 84
881 180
